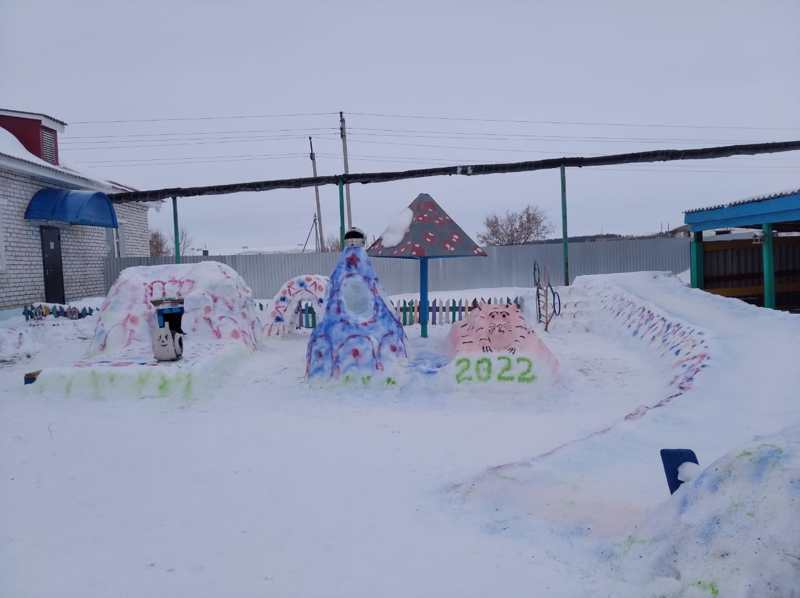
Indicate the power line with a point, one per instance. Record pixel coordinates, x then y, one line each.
198 118
510 136
298 130
569 122
190 143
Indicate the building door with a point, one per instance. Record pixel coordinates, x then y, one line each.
51 260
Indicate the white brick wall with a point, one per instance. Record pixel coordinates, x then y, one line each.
82 247
134 232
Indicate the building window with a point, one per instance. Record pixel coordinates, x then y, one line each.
49 148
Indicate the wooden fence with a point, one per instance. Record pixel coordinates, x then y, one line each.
445 312
440 312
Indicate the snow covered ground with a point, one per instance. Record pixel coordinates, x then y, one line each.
259 485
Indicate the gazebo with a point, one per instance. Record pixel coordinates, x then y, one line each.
762 269
421 232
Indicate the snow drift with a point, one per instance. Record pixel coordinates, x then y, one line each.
732 531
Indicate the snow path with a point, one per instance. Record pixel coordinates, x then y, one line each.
273 488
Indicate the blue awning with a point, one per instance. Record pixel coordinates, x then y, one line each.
90 208
781 210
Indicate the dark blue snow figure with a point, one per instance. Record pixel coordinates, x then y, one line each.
359 336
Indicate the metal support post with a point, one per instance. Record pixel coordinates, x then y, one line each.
423 296
696 260
564 233
341 213
768 259
176 232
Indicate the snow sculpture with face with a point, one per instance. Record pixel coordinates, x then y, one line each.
359 335
498 329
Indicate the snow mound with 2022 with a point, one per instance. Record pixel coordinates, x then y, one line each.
733 531
219 323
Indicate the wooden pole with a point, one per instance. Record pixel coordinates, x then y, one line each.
320 234
343 134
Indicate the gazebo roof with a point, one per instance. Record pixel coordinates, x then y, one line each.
424 229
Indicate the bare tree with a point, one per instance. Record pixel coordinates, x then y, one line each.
158 244
186 242
515 228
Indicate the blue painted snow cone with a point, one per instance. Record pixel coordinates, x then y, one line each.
358 335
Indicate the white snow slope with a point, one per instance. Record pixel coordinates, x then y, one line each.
267 487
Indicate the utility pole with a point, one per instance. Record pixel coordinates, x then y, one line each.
320 236
343 135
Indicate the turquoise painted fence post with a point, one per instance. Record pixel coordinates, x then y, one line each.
696 260
423 296
768 259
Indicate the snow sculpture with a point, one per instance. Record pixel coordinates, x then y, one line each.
499 330
359 334
218 308
307 287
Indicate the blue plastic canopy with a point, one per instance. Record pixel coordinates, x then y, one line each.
90 208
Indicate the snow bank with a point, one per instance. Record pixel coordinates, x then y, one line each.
218 309
733 531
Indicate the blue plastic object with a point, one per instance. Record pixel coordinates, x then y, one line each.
90 208
672 459
170 317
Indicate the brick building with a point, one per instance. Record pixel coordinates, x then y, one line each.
57 225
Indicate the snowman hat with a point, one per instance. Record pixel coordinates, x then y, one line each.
355 236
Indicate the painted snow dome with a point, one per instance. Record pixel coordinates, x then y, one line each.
359 334
218 309
424 229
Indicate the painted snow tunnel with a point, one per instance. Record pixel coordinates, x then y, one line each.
424 231
311 288
88 208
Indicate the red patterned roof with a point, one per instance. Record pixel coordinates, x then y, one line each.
430 232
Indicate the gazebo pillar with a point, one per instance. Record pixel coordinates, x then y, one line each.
768 261
423 296
696 259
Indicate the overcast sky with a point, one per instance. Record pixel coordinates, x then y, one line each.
628 72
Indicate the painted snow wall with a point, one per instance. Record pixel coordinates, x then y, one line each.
498 329
359 334
684 346
306 287
218 308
